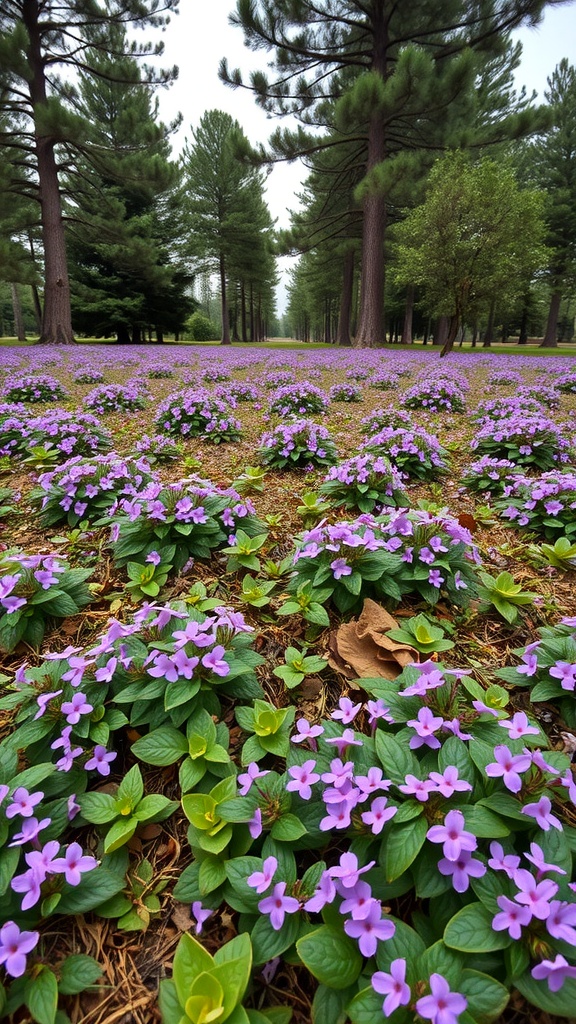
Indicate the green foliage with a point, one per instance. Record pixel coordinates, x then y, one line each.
419 632
506 596
298 666
205 988
200 328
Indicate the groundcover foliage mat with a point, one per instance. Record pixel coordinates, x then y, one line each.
185 761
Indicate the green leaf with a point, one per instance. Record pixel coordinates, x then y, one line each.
403 845
487 998
155 806
470 930
190 960
169 1003
329 1006
268 943
288 828
120 833
557 1004
212 874
131 788
397 759
162 747
98 808
42 996
95 887
366 1008
330 956
77 973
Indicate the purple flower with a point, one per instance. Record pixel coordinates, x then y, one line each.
260 880
100 760
507 766
339 816
74 863
28 883
245 779
325 893
75 708
554 972
370 930
340 568
426 724
519 726
200 914
561 921
378 814
566 673
214 660
453 835
31 828
512 917
255 824
435 579
348 872
372 782
43 701
448 782
303 777
14 945
541 811
420 788
23 803
429 679
278 905
534 895
346 711
358 901
536 857
442 1006
377 709
393 986
307 732
462 870
503 862
347 739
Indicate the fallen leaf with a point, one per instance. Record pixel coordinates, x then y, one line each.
360 649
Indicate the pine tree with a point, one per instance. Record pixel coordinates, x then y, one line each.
37 37
398 71
228 217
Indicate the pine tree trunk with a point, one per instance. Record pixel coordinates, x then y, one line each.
342 335
550 339
37 307
370 332
243 312
451 335
57 319
17 308
407 338
225 322
440 332
489 333
252 335
136 334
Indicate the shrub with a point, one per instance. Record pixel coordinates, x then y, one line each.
116 398
488 475
40 387
297 445
298 399
85 488
413 450
545 504
364 482
435 396
200 328
34 589
345 393
197 413
533 441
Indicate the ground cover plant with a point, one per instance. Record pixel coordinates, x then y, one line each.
210 809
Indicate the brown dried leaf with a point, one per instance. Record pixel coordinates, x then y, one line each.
361 649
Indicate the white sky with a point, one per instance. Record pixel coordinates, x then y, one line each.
200 36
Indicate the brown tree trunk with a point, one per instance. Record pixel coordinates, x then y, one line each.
136 334
37 306
440 332
407 338
243 312
523 332
252 332
343 338
224 305
57 319
489 333
451 335
17 309
550 339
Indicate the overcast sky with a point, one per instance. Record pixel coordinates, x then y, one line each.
200 36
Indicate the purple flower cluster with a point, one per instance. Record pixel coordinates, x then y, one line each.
89 376
158 448
116 398
435 395
345 393
69 432
544 504
197 413
413 450
526 439
488 475
297 445
385 381
298 399
379 419
40 387
363 482
83 488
